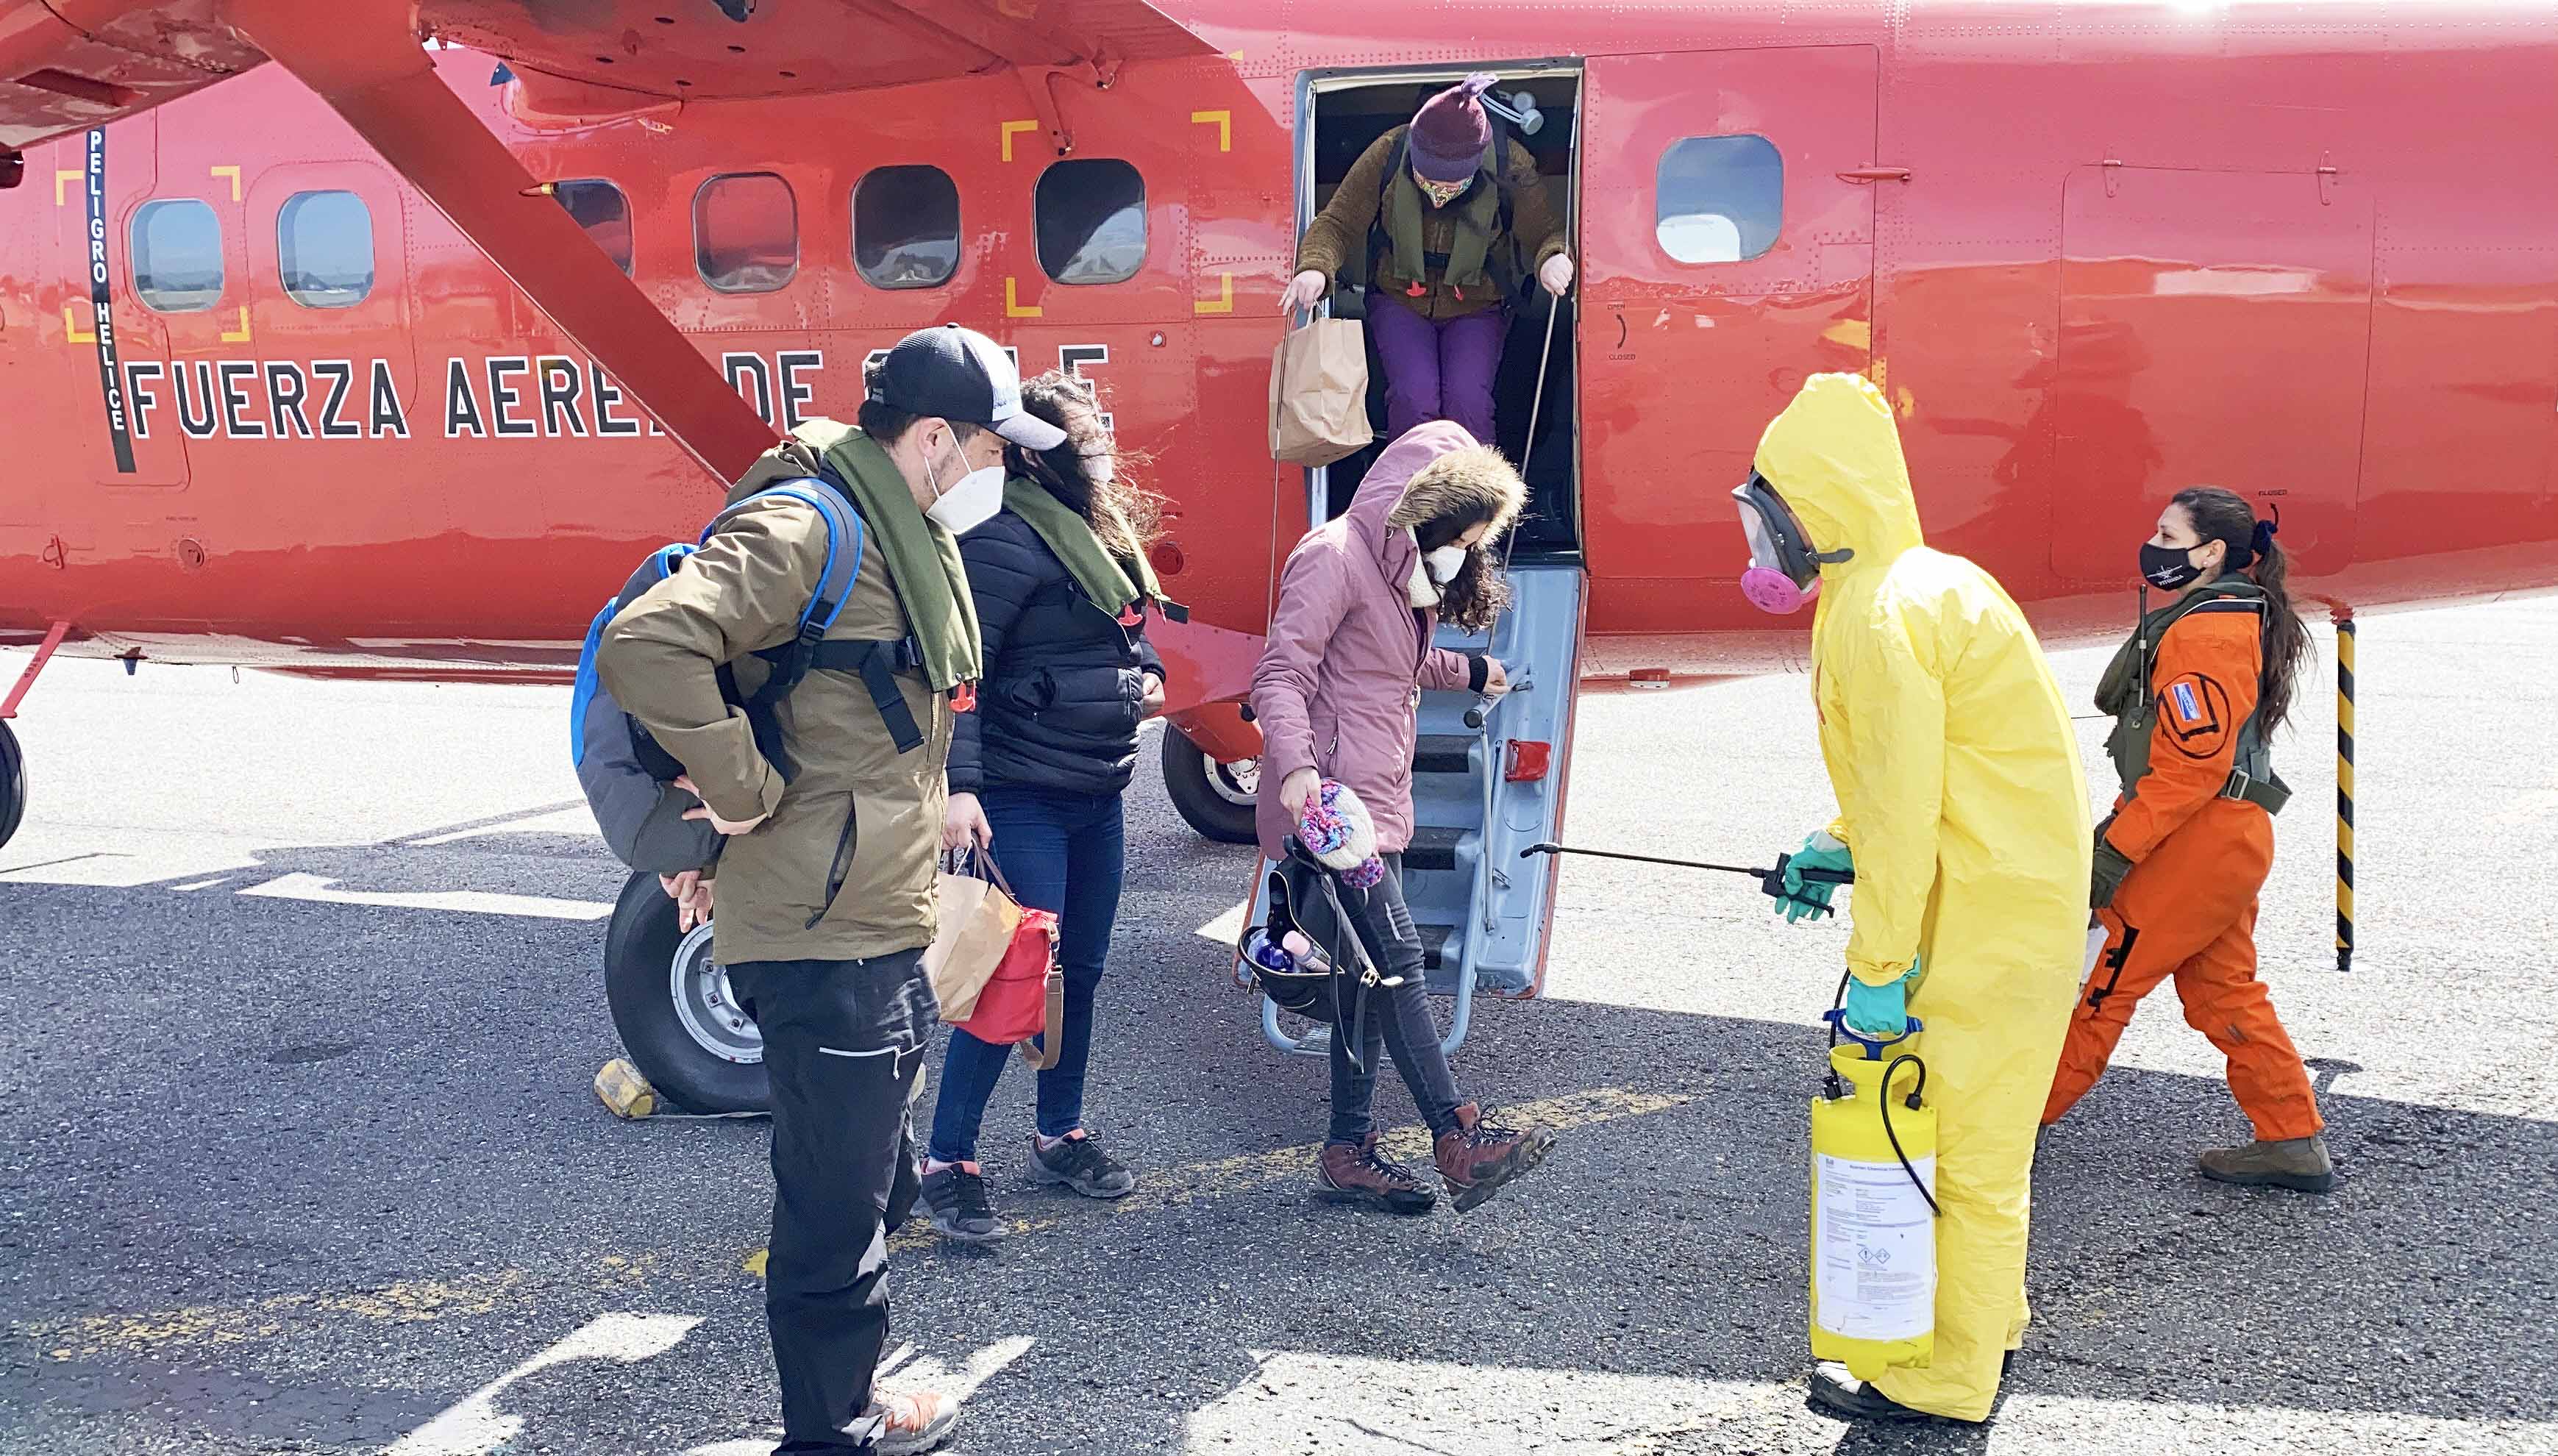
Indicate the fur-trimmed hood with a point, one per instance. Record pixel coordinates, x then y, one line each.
1474 480
1435 469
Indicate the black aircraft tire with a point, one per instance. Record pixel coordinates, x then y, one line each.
1210 806
13 783
641 945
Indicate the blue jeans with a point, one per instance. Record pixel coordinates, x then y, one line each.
1062 852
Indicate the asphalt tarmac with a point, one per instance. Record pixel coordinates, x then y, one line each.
298 1151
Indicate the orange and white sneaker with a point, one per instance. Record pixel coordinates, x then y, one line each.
912 1421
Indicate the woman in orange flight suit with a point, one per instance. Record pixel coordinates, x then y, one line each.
2195 694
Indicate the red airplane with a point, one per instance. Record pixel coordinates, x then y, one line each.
391 357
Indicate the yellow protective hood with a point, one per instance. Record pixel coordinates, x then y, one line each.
1834 454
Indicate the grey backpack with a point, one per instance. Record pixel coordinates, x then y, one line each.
630 779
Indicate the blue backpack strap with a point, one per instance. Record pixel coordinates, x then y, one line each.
659 565
844 539
791 661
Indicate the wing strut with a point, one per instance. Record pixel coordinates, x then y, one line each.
365 62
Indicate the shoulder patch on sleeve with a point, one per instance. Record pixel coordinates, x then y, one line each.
2194 714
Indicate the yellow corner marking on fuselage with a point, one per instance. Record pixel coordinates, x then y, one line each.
1014 308
1224 297
240 337
1013 129
233 174
1853 332
71 328
1253 1172
65 175
1223 121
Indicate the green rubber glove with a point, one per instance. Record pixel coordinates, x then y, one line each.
2110 866
1880 1013
1802 898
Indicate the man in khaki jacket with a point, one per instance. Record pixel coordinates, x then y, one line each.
833 817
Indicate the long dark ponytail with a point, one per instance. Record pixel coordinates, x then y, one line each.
2221 515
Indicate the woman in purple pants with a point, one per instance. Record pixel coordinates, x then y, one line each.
1450 218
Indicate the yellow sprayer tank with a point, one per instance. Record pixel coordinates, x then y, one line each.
1874 1231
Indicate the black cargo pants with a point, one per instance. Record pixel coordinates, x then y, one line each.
843 1043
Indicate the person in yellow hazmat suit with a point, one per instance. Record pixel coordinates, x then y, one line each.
1963 812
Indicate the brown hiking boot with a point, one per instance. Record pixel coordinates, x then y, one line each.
1478 1158
1360 1174
2292 1162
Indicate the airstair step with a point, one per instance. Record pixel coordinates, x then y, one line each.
1434 847
1434 939
1444 753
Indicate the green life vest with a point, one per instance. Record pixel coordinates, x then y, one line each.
1482 256
2128 693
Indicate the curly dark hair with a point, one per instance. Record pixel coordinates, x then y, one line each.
1127 518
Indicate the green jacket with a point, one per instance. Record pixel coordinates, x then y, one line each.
843 869
1337 237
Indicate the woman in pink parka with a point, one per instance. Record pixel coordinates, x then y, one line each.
1341 675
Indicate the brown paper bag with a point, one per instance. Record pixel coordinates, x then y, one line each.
977 916
1318 394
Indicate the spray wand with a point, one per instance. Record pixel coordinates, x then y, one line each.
1773 882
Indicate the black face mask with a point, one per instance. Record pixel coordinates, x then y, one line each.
2168 567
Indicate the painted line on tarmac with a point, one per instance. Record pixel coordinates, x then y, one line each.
1251 1172
475 902
927 1375
1405 1406
165 1333
1227 927
473 1426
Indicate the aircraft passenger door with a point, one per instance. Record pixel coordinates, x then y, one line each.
1726 257
102 184
2196 308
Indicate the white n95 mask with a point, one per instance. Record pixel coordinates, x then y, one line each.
971 503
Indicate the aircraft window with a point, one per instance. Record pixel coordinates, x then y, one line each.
1719 199
746 233
600 207
1092 218
178 256
906 228
323 243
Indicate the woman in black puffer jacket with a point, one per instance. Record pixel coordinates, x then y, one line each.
1061 587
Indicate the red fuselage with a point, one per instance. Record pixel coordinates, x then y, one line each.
2091 255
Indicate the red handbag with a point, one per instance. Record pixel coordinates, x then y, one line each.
1026 996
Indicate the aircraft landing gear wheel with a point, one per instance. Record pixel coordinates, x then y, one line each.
673 1009
1215 798
13 783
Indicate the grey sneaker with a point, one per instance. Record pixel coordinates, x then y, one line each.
960 1209
2292 1162
1079 1163
910 1421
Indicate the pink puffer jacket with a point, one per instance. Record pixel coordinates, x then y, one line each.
1347 653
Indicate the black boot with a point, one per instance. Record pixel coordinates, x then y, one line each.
1837 1393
